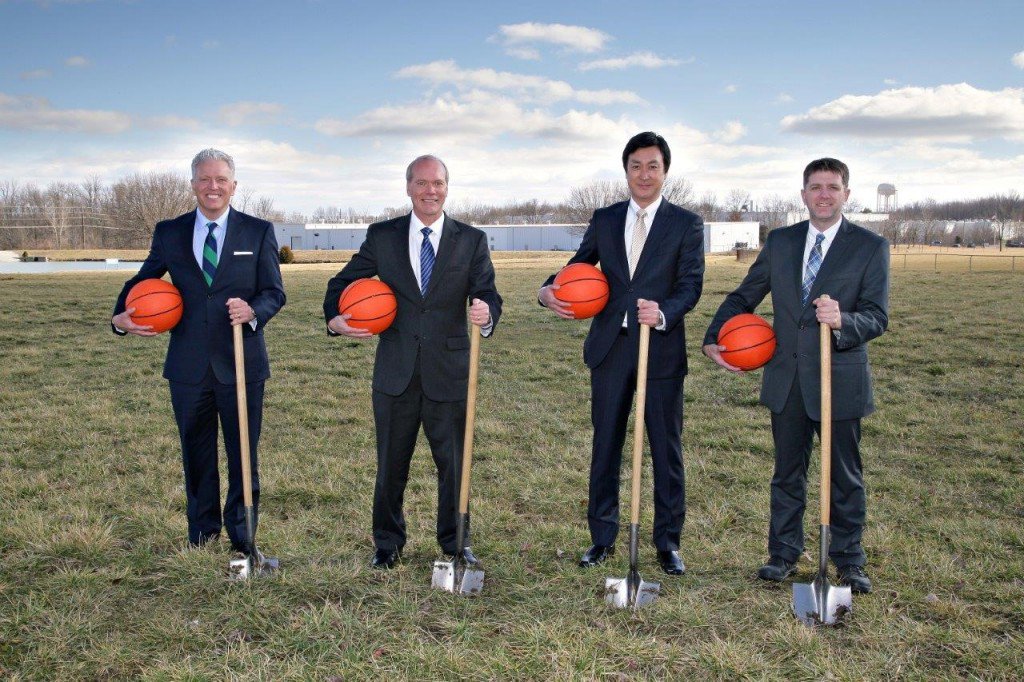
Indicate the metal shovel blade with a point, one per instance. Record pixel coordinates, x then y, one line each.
632 592
248 566
455 576
819 603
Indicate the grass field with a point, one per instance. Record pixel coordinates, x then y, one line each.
95 582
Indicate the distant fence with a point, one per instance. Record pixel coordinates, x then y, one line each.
936 262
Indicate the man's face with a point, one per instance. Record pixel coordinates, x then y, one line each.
214 185
824 196
428 190
645 174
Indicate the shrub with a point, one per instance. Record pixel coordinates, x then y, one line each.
287 255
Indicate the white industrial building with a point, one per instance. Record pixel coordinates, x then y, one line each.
718 237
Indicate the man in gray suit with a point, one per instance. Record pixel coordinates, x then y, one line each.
435 266
798 265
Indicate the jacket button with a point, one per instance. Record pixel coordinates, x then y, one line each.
803 326
794 355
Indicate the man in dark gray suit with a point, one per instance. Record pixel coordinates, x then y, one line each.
435 266
798 265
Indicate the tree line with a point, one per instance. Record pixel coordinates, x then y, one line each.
122 214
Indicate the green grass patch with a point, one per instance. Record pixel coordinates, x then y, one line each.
96 582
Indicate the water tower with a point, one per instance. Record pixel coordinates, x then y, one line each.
886 200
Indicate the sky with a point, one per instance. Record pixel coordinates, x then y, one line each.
325 103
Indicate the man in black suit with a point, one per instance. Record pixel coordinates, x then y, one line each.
225 264
652 253
435 266
798 265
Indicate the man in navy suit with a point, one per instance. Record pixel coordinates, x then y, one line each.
798 265
652 253
437 267
226 266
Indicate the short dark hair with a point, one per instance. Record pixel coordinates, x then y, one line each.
829 165
647 139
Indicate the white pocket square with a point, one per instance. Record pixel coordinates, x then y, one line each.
243 253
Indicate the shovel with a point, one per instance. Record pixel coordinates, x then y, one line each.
632 591
457 575
254 563
819 603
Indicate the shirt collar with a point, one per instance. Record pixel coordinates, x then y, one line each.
415 224
634 208
830 233
222 220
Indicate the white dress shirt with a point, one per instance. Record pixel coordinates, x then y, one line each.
812 236
200 231
631 213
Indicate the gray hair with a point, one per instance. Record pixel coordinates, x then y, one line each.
212 154
425 157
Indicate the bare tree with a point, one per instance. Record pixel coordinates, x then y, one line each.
679 191
585 199
263 207
706 206
736 202
141 200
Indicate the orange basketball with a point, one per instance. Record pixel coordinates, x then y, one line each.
371 303
583 287
157 303
749 341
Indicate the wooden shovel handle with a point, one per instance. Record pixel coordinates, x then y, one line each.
467 447
826 422
638 421
243 415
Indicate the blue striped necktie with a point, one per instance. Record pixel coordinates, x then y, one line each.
813 263
426 260
210 254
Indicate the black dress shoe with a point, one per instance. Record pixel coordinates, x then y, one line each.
385 558
596 555
856 578
671 562
776 570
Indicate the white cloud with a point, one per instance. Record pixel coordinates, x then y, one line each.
76 62
958 111
478 114
250 113
526 53
891 81
646 60
1018 60
783 98
535 88
571 38
34 74
730 132
36 113
730 89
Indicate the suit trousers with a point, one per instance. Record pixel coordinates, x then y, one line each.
196 409
612 386
398 420
793 432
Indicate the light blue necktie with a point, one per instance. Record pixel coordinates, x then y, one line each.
210 254
426 260
813 263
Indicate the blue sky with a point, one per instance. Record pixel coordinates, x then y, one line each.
324 103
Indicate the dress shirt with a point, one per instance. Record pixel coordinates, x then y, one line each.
220 233
631 213
812 236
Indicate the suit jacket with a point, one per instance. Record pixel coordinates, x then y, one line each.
249 268
432 328
855 272
670 271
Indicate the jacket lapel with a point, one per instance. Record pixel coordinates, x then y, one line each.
449 241
794 254
186 231
836 254
655 235
232 235
617 226
400 245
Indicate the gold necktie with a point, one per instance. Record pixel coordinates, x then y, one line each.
639 237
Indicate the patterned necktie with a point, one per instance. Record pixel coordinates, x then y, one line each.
813 263
639 237
210 254
426 260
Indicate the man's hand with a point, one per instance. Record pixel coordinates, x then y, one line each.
479 313
240 311
339 325
123 321
648 312
560 308
714 351
827 312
